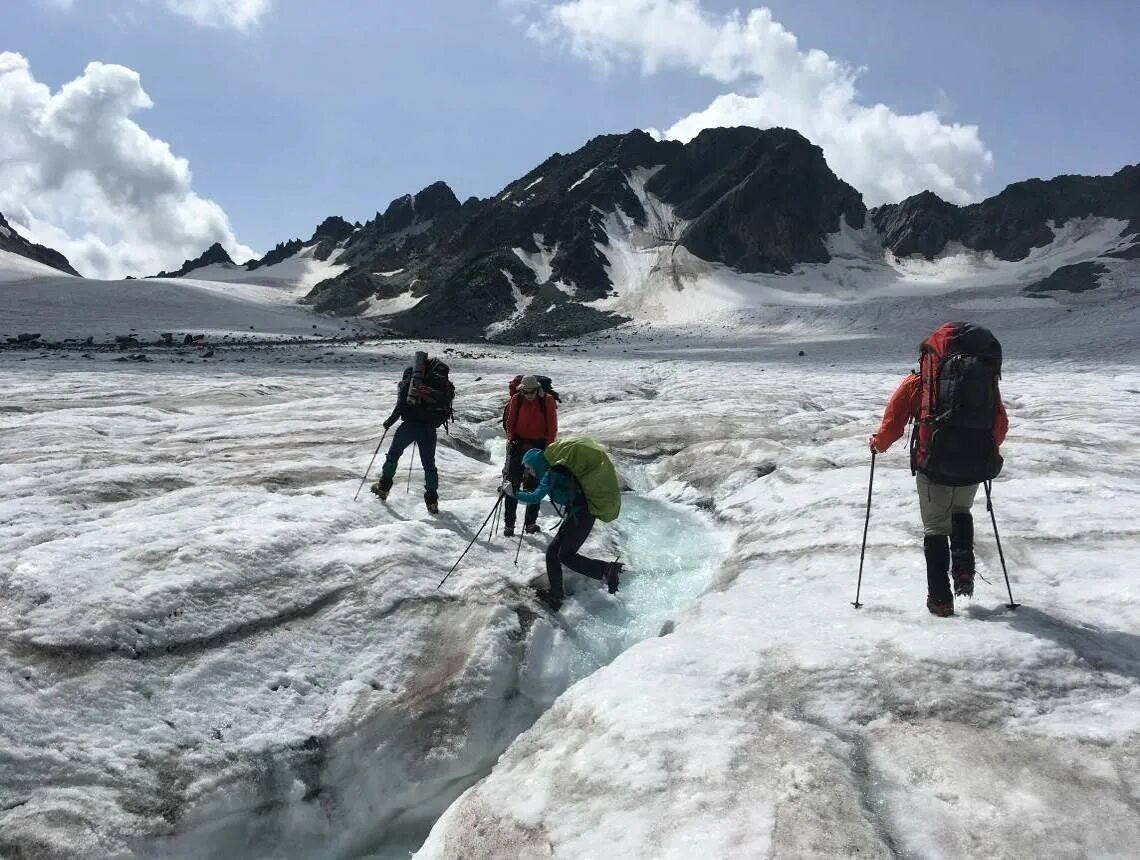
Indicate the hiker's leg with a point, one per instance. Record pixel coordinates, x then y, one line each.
426 439
401 439
575 529
934 502
937 551
514 475
554 566
962 539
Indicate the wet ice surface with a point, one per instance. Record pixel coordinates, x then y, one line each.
210 650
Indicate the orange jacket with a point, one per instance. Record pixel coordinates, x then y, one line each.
532 419
904 405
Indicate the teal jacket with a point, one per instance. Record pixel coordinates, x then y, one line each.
558 483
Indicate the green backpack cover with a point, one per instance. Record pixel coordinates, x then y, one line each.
590 464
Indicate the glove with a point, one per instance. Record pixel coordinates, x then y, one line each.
507 490
871 441
388 424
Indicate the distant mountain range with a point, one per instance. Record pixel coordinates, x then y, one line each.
546 256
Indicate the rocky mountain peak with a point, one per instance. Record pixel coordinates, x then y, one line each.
14 243
213 255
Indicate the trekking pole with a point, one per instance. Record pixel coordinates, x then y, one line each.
519 549
866 523
494 525
498 502
411 460
990 507
370 462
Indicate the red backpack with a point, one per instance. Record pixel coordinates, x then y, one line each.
953 439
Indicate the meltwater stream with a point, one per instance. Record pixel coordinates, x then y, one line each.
670 554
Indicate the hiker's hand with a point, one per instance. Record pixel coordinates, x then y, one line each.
507 490
874 449
388 424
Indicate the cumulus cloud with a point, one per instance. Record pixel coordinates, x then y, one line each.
884 154
77 174
235 14
239 14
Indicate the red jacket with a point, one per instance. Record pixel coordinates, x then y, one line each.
532 419
904 405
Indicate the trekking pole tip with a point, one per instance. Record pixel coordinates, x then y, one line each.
1012 606
856 604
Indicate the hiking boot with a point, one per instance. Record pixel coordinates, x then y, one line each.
613 573
431 499
942 610
509 531
531 529
963 582
553 601
382 488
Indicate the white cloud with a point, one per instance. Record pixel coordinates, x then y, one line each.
239 14
77 174
884 154
236 14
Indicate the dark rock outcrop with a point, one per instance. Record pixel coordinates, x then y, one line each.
281 251
213 255
14 243
328 236
761 201
1012 223
1077 278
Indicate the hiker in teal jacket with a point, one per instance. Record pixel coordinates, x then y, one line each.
579 479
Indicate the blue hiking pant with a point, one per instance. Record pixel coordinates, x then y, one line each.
423 436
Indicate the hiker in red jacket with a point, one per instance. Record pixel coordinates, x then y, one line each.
531 422
960 422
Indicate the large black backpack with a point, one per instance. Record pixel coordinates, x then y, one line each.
428 396
953 443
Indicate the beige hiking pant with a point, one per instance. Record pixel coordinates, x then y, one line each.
938 503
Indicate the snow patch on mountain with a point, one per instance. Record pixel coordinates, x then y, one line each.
293 277
582 178
16 267
540 262
522 303
378 307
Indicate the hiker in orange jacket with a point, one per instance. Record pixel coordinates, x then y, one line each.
944 504
531 422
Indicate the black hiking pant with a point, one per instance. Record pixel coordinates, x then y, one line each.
563 550
514 475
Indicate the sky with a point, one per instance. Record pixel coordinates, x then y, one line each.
138 132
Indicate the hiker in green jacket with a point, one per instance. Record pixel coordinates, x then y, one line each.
579 478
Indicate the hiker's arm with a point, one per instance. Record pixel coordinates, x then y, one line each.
551 418
401 396
512 411
537 494
902 406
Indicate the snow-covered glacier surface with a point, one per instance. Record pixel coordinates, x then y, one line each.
207 648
